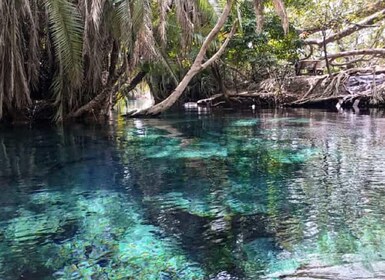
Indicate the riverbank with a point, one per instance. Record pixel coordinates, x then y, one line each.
354 88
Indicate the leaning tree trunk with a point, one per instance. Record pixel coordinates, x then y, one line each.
197 66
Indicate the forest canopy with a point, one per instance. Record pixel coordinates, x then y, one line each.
65 59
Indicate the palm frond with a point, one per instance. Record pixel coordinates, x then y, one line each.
93 41
125 22
145 44
14 86
29 10
96 12
67 31
214 4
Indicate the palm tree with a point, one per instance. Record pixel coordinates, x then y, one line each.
75 56
148 46
18 67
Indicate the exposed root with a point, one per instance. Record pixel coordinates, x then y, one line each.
313 87
350 88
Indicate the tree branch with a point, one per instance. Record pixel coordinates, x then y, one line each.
214 32
332 57
222 49
358 13
365 23
351 62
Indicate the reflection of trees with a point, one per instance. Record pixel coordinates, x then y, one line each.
214 205
336 195
43 172
35 159
74 222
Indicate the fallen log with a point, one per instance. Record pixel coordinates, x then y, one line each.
247 99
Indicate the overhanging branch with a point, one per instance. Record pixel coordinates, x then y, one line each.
365 23
332 57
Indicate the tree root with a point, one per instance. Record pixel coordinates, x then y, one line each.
342 90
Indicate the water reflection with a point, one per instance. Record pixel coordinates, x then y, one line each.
193 197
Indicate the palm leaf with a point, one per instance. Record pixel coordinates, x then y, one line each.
67 31
125 24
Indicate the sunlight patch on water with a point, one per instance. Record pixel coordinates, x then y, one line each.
289 120
245 123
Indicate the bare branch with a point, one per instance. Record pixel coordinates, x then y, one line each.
357 13
332 57
350 29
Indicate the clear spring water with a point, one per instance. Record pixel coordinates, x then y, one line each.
224 196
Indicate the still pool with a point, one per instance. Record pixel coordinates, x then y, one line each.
189 196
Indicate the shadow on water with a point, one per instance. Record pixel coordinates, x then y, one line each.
193 196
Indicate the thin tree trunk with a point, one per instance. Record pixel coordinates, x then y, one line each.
326 52
102 97
218 77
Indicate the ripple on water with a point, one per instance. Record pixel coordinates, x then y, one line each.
194 198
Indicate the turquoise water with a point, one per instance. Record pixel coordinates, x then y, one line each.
216 196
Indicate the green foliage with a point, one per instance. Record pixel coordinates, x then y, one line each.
257 52
67 32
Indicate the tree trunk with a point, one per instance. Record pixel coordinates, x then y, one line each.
218 78
326 52
102 97
197 66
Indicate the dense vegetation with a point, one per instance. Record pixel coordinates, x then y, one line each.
63 59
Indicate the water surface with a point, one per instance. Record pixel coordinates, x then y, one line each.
188 196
